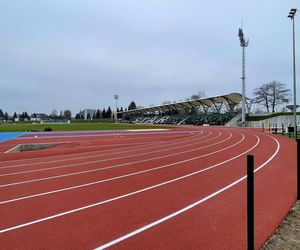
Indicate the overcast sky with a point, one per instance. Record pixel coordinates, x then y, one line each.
76 54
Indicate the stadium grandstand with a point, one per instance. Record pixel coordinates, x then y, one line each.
218 110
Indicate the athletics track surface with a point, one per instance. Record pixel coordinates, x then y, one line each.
178 189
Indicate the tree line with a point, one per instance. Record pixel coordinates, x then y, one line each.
66 114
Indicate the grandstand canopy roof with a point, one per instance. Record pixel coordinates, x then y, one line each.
231 100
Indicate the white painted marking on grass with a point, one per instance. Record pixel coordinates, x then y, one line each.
111 167
126 195
170 216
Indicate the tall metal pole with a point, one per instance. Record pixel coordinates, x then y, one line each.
243 87
116 116
116 97
292 16
244 43
294 73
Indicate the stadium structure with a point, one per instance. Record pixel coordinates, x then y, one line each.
217 110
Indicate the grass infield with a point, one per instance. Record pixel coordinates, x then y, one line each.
73 127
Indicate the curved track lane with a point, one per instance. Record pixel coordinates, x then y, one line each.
185 191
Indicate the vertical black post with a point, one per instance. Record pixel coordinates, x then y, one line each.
282 129
269 128
263 128
298 169
250 202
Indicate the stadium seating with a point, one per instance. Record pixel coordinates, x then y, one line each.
199 119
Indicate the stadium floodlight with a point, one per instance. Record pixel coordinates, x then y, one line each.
244 43
116 97
292 17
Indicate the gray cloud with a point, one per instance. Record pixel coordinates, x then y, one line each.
78 54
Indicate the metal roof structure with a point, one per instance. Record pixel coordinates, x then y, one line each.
230 100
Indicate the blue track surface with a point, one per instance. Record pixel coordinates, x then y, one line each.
4 136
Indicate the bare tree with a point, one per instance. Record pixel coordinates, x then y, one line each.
199 95
249 103
54 113
272 94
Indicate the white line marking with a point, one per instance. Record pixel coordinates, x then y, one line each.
182 140
128 194
12 149
109 179
109 159
83 153
170 216
111 167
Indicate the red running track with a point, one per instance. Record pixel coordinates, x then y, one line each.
144 190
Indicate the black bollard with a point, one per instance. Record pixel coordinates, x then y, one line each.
250 202
298 169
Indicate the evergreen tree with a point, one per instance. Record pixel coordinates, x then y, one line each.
15 115
1 113
6 116
98 114
104 113
67 114
132 105
108 113
26 115
88 116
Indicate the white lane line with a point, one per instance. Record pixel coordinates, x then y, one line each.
118 150
109 167
112 159
105 154
85 153
128 194
111 179
11 149
170 216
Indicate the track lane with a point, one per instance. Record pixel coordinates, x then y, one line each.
146 164
157 140
92 218
161 147
142 182
100 165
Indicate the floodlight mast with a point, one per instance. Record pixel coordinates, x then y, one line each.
292 17
244 43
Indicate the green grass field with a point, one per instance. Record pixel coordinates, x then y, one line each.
72 127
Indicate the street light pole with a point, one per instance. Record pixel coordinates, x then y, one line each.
292 17
116 97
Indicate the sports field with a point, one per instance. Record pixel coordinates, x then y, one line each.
181 188
71 126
